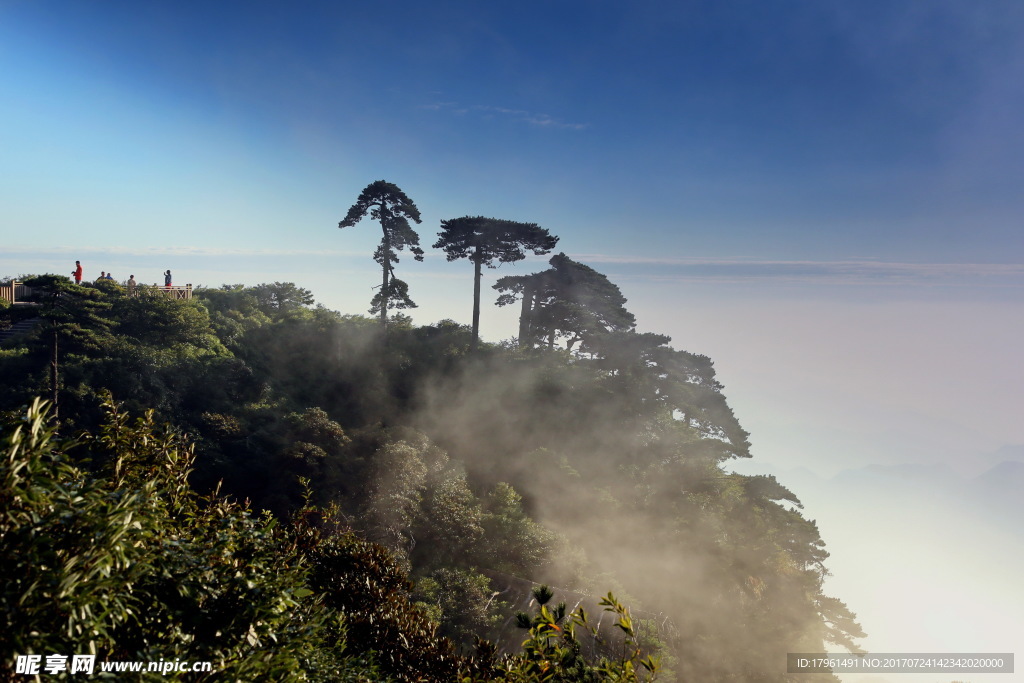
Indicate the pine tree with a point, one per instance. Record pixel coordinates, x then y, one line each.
486 240
386 203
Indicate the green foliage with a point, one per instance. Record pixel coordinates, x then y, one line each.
361 580
461 601
421 507
132 565
552 650
163 322
513 542
282 298
74 323
127 563
234 310
399 481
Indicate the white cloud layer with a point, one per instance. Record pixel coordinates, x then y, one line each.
847 272
857 272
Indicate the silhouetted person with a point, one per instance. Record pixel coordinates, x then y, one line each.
78 272
103 276
167 279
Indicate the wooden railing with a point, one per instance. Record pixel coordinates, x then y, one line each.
172 292
14 290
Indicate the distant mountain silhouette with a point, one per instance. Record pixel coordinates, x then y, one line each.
1009 453
999 491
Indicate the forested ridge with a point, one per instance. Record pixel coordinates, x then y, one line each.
292 492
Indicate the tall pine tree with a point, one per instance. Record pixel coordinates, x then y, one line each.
385 202
486 240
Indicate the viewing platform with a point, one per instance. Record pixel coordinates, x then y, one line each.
172 292
15 292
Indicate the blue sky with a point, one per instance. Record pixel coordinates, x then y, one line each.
796 130
823 196
869 148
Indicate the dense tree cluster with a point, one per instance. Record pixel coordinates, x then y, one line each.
401 481
110 552
570 300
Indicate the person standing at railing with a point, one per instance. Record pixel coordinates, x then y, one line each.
167 279
78 272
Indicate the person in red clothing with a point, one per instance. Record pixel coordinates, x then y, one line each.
78 272
167 279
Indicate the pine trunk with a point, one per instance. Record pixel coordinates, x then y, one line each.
476 300
53 373
385 294
524 317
